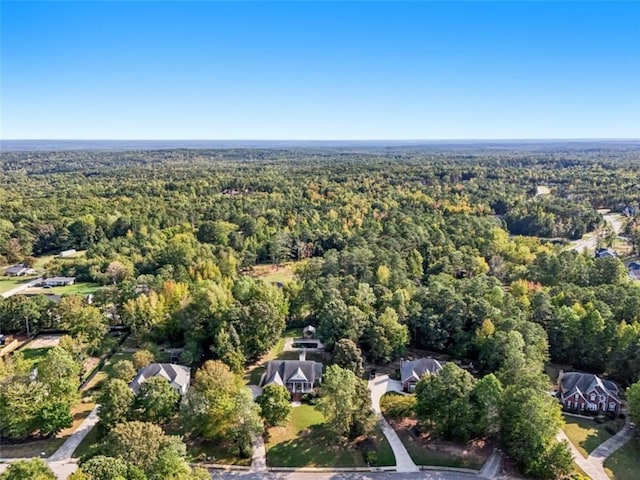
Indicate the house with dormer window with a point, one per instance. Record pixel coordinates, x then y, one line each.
585 392
298 376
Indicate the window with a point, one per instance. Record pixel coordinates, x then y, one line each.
593 397
575 396
612 406
569 404
593 407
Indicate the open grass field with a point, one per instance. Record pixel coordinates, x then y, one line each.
623 464
81 288
305 442
8 283
585 434
282 273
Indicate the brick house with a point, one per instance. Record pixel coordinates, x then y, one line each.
585 392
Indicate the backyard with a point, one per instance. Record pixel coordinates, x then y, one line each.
306 442
80 288
7 283
586 434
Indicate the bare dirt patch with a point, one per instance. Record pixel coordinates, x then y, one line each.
44 341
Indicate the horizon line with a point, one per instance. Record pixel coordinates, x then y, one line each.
457 139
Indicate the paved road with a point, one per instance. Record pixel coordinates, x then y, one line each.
589 242
426 475
378 387
21 288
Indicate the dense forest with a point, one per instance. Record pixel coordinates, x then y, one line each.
449 250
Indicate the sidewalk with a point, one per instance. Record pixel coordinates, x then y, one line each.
65 451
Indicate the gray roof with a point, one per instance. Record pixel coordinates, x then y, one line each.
605 253
178 376
582 383
416 369
17 269
59 280
283 371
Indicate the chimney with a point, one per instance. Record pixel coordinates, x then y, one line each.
302 356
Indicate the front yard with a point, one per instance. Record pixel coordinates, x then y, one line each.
305 442
623 464
422 448
586 434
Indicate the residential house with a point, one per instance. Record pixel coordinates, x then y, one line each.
178 376
634 270
58 281
413 370
19 270
298 376
606 253
586 392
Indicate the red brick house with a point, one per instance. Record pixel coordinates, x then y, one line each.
585 392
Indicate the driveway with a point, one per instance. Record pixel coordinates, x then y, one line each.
378 387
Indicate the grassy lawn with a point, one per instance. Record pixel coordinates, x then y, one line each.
107 371
34 355
254 372
50 445
305 441
8 283
623 464
585 434
203 451
31 449
282 274
41 262
89 446
81 288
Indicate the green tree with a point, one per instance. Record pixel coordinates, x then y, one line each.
346 403
275 404
116 402
486 398
137 443
123 370
156 401
443 402
633 397
142 358
60 373
105 468
53 417
346 354
218 406
530 420
34 469
386 337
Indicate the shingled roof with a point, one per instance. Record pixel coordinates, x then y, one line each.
581 383
178 376
416 369
283 371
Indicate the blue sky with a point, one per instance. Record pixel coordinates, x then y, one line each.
325 70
